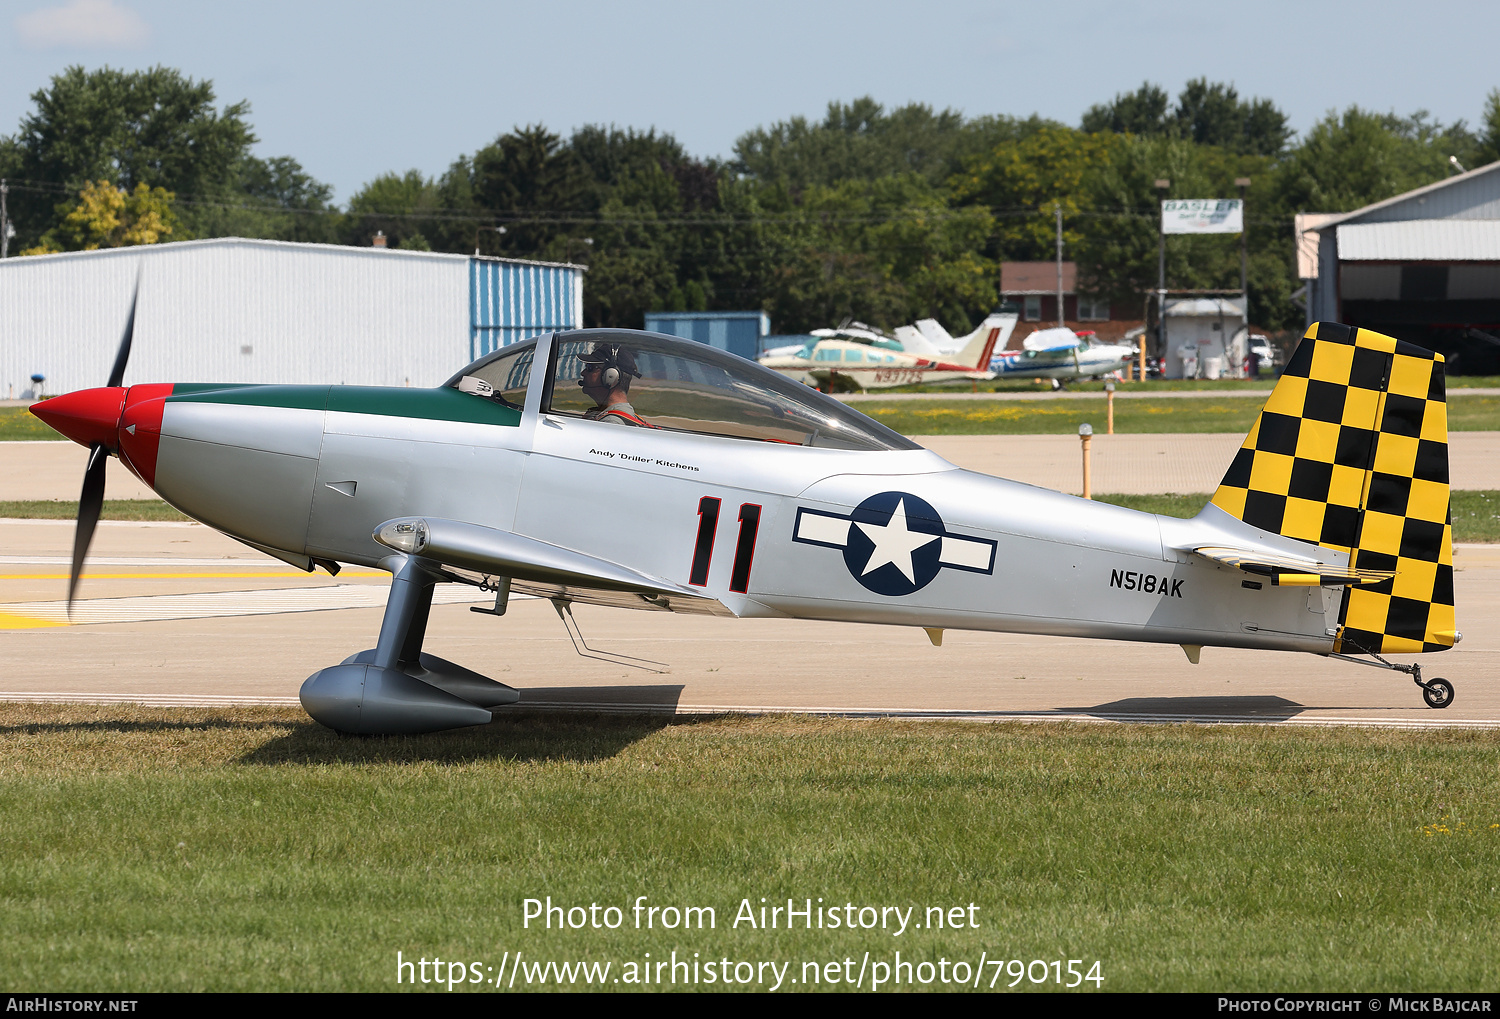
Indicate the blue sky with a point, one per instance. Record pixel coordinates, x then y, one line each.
356 89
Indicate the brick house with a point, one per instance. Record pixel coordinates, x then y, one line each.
1032 288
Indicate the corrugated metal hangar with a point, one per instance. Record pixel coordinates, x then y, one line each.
237 310
1423 266
738 332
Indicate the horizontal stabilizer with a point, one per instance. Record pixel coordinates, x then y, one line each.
1290 570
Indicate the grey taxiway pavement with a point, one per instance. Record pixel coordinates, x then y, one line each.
179 614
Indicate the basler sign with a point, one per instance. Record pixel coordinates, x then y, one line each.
1202 216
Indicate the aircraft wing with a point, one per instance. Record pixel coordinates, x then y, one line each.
1287 570
1047 341
695 605
537 567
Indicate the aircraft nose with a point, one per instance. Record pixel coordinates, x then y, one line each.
86 416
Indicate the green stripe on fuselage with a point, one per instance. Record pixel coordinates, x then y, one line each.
296 397
431 404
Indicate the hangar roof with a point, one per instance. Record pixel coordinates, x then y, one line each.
1417 240
252 242
1471 195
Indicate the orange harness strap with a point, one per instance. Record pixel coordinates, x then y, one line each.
629 417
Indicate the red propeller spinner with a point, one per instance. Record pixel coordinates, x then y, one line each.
87 416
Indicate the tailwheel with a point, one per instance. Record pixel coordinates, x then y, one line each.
1438 693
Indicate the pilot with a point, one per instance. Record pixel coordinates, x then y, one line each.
607 371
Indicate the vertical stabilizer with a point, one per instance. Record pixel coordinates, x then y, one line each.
1351 453
993 334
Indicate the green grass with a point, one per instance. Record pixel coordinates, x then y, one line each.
17 424
1473 413
1476 516
1476 513
1153 385
177 849
1062 416
1170 505
114 509
1087 385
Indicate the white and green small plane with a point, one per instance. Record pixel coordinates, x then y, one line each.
855 358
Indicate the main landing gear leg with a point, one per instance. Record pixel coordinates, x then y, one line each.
394 687
1438 693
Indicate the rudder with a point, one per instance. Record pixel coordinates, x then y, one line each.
1351 453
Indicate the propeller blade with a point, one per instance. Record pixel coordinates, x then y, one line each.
90 505
122 357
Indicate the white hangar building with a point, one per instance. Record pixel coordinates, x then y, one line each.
1423 266
237 310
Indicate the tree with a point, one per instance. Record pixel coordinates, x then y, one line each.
162 129
1488 149
861 141
1352 159
401 206
1142 112
1117 247
534 184
105 216
1022 182
153 127
1206 113
886 251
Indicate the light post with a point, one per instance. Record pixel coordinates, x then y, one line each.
1061 318
1085 434
1161 276
1242 183
480 229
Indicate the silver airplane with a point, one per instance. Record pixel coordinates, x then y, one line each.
643 471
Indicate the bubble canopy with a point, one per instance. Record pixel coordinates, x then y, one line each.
679 385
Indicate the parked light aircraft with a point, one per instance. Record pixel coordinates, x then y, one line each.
649 472
849 360
1060 353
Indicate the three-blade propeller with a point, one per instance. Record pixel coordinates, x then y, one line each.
91 500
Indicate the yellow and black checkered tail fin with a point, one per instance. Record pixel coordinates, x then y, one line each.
1351 453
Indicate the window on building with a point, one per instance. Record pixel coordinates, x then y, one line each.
1092 309
1032 308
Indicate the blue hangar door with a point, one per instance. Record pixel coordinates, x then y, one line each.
511 300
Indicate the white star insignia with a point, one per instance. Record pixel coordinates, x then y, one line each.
894 543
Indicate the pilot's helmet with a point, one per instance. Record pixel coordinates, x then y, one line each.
618 362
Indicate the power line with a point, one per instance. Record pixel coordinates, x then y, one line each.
801 216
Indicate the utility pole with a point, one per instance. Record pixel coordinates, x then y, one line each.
1242 183
5 230
1061 318
1161 278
